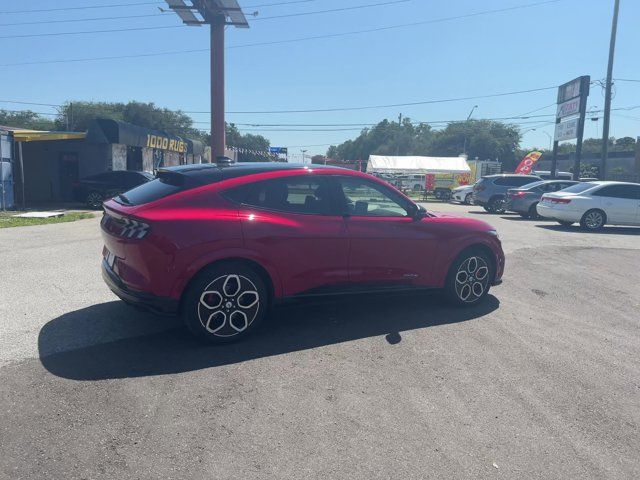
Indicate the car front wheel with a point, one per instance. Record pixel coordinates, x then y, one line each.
467 199
225 303
469 278
496 205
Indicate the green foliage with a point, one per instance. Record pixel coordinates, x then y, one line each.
25 119
76 116
249 141
485 139
386 138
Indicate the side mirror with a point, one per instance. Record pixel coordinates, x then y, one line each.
416 212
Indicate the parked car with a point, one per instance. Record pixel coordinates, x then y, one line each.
220 245
414 183
490 192
524 200
546 175
462 194
594 204
93 190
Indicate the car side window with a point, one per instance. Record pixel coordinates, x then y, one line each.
627 192
306 194
367 199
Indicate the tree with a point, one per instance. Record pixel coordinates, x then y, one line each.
249 142
25 119
485 139
386 138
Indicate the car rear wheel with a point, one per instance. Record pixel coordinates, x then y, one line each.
469 278
593 220
225 303
533 211
94 200
496 205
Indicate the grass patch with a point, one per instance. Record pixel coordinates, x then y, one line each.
7 221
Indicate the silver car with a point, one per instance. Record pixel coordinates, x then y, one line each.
524 200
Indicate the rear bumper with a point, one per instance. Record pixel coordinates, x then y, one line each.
558 213
148 301
518 206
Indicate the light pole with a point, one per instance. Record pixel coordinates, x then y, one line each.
303 152
466 124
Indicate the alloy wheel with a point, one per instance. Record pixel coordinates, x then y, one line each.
472 279
594 220
228 305
94 199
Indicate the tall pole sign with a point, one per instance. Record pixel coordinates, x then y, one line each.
570 116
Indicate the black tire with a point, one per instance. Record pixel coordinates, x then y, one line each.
467 199
94 200
533 212
472 290
593 220
496 205
230 282
565 224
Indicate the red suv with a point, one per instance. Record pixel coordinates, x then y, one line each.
221 244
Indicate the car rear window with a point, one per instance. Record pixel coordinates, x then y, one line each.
579 187
163 186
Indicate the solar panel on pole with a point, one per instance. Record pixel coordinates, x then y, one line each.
217 14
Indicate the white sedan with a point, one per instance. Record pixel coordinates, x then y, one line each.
593 204
462 194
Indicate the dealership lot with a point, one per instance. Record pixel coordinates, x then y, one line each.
540 381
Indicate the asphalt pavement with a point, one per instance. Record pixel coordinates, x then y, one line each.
540 381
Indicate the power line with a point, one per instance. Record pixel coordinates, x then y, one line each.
122 17
58 34
356 7
393 105
627 80
134 4
295 40
279 3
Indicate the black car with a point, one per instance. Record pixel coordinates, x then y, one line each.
93 190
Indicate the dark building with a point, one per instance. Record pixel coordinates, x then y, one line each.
52 162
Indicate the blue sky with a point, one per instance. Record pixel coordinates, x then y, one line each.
519 49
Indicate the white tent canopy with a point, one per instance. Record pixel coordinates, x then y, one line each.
417 165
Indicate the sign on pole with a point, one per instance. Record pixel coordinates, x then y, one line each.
567 130
570 116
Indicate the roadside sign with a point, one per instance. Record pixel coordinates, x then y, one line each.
569 90
278 150
568 108
567 130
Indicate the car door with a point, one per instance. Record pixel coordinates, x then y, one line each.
292 224
619 202
387 246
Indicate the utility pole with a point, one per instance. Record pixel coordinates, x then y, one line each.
607 95
464 147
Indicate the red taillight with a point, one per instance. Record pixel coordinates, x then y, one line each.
479 188
517 194
124 227
556 200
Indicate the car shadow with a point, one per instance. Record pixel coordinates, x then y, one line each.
607 230
518 218
289 329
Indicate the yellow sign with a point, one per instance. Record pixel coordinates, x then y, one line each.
165 143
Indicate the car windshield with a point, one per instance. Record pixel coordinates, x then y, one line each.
578 188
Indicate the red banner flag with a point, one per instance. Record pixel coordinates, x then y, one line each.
527 163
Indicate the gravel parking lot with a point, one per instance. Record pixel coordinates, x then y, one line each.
541 381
